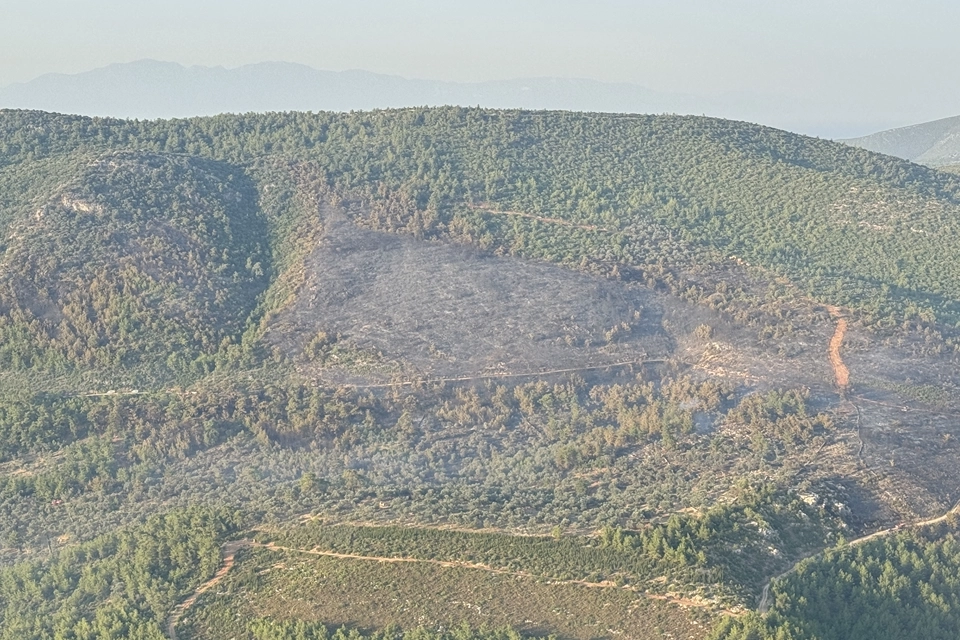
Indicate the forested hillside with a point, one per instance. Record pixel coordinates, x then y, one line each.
847 226
828 597
418 362
140 254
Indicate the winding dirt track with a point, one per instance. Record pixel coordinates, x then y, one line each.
230 549
765 596
606 584
229 554
840 372
842 375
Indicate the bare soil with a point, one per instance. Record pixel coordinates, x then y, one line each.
229 555
840 372
445 310
437 310
442 311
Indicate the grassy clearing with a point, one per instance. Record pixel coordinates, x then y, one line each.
368 594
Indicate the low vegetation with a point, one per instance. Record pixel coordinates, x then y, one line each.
209 334
287 586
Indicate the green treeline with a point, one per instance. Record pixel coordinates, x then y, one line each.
759 516
108 441
109 447
201 217
148 260
153 263
121 585
266 629
905 585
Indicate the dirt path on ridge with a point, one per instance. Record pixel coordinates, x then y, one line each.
230 549
765 596
841 375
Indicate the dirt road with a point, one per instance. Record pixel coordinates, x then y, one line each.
504 376
765 599
840 372
230 549
842 376
229 553
672 598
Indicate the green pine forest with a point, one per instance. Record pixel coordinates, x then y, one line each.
153 413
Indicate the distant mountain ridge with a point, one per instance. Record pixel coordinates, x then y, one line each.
935 143
149 89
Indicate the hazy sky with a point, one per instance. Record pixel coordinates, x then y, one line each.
876 61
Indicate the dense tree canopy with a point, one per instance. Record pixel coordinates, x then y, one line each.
899 586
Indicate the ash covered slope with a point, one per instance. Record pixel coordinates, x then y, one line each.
644 195
455 312
241 246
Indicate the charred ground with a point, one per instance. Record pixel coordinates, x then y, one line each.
609 335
